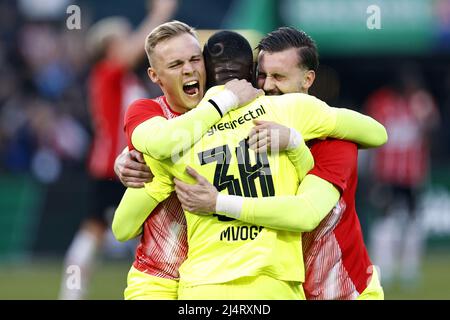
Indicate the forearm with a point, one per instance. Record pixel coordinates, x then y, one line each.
162 138
299 154
300 213
134 208
132 50
361 129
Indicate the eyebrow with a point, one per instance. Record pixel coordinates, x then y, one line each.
173 62
276 74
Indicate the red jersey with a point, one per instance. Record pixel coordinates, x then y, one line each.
111 89
163 246
336 259
404 160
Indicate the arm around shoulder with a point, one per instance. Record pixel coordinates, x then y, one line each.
359 128
161 138
303 212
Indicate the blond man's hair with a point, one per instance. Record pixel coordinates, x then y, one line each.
165 32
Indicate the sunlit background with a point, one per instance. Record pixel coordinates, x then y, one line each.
45 128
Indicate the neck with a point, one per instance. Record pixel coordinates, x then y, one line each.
175 107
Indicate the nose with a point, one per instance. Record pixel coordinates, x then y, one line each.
188 68
269 84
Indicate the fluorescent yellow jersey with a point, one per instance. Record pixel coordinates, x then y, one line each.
162 138
222 249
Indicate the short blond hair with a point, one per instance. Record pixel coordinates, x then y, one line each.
164 32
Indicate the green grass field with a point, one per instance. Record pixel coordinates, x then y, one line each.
40 280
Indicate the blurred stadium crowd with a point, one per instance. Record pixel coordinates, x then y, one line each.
43 115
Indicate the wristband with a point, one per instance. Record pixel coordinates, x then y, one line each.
231 206
295 139
224 101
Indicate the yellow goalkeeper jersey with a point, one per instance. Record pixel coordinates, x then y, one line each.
222 249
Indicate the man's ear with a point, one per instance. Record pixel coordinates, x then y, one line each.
309 78
153 76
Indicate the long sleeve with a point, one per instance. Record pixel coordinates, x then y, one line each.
134 208
314 118
137 204
161 138
300 213
361 129
302 159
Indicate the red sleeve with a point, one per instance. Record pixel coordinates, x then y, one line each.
334 161
138 112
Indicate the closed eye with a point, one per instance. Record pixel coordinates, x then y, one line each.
175 64
278 77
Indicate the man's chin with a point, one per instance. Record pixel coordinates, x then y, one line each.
192 101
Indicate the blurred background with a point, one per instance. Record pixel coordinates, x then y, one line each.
397 71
